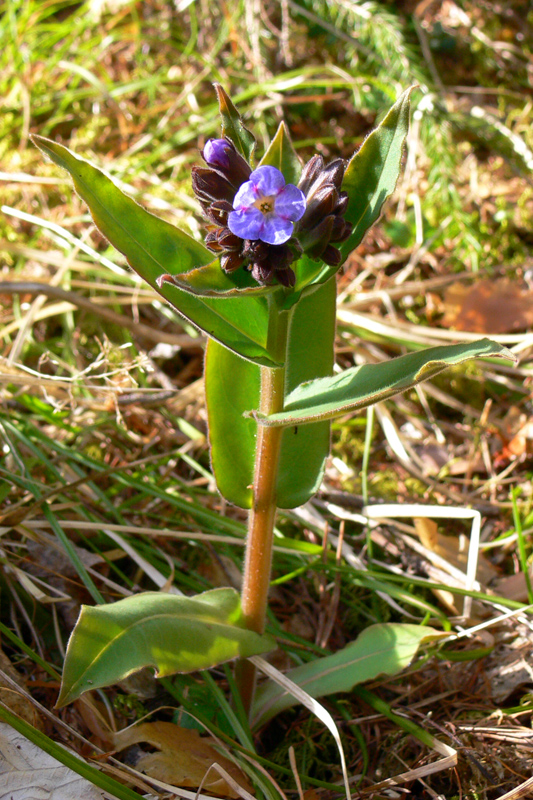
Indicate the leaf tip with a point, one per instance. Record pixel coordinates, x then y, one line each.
41 142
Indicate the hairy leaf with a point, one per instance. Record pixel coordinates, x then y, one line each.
373 172
155 249
365 385
232 387
165 631
383 649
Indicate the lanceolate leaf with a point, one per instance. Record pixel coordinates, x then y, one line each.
232 387
373 172
370 178
168 632
155 248
232 124
365 385
383 649
282 155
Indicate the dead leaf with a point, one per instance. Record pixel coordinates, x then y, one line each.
517 431
488 307
18 703
454 549
514 587
28 773
183 758
509 666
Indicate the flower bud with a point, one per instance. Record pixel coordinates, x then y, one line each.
229 241
209 185
314 240
222 155
211 241
341 230
218 211
231 262
310 173
331 256
215 153
320 205
342 204
323 223
287 277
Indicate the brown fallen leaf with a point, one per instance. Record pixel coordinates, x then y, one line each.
514 587
454 551
18 703
488 307
183 758
517 432
508 668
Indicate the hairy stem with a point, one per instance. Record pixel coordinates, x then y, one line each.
258 559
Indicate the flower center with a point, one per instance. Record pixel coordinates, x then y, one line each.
265 204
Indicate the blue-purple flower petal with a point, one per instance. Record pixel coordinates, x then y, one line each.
272 221
276 230
290 203
245 197
247 223
267 180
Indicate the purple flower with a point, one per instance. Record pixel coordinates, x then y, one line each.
216 153
266 208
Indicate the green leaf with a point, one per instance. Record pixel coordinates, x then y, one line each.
155 248
211 281
282 155
232 386
232 124
383 649
165 631
370 178
304 450
365 385
373 172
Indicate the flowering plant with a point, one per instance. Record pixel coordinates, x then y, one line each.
279 232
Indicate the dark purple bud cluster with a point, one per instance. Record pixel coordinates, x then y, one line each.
323 224
215 187
260 205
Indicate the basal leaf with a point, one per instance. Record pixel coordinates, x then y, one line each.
155 248
232 124
373 172
282 155
365 385
383 649
165 631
